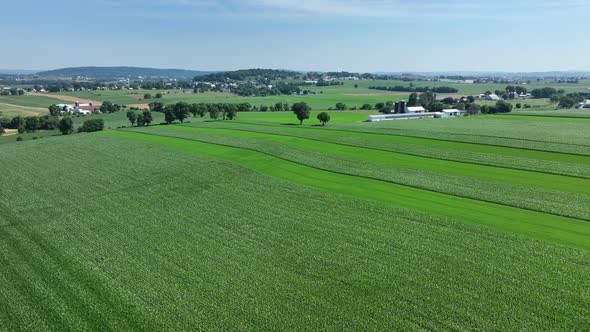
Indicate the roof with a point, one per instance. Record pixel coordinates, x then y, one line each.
454 110
87 108
416 108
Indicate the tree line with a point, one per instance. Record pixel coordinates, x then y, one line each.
401 88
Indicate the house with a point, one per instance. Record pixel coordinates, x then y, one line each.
188 90
415 109
493 97
584 105
77 108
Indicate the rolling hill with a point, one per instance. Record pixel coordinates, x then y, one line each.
122 72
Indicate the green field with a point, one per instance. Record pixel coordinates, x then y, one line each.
474 223
326 97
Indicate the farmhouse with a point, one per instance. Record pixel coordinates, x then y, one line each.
82 109
493 97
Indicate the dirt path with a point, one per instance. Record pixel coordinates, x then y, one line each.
140 106
10 132
67 98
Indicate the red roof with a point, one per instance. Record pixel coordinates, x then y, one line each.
91 108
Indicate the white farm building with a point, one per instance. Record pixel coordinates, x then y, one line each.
447 113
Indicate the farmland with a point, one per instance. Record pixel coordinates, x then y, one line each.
352 93
258 223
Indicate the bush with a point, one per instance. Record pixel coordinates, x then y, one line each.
66 125
92 125
18 139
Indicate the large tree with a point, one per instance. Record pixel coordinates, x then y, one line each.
413 100
426 99
301 110
132 116
18 122
156 106
109 107
230 111
213 111
147 117
54 110
181 111
169 116
324 118
32 123
66 125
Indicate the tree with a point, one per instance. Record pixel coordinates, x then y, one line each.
66 125
169 116
198 109
156 106
140 121
503 107
301 110
367 107
91 125
413 100
32 123
426 99
54 110
435 106
132 116
146 117
324 118
159 95
448 100
214 111
387 107
244 107
341 106
356 86
473 109
147 96
518 105
230 111
109 107
181 111
18 122
1 129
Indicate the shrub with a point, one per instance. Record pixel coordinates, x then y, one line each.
92 125
66 125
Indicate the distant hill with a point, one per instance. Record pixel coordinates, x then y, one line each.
246 74
17 71
122 72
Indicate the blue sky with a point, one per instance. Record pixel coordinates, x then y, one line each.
352 35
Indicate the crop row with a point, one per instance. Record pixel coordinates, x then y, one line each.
538 161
